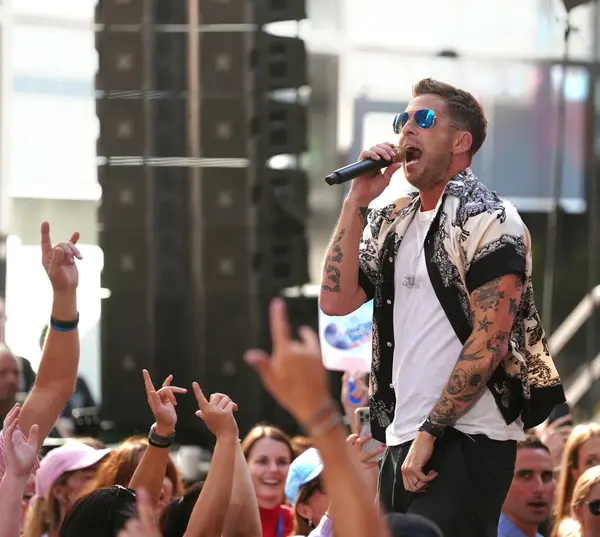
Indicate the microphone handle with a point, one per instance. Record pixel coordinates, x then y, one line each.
352 171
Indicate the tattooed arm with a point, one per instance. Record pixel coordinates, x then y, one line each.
340 292
494 305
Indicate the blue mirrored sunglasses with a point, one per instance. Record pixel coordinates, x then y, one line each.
425 119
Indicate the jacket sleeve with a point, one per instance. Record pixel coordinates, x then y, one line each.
499 244
371 247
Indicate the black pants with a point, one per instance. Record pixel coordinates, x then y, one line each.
466 498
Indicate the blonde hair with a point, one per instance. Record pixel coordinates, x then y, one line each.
570 460
584 485
44 514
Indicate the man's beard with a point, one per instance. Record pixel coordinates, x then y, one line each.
434 173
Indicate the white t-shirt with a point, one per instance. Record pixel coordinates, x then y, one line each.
426 350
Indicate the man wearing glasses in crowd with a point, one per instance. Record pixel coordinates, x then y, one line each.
460 361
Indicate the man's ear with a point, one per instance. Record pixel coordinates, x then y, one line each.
462 143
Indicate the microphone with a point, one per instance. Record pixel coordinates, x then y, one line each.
352 171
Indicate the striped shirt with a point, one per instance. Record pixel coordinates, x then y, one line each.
2 465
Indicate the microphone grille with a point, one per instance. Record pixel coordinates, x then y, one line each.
400 154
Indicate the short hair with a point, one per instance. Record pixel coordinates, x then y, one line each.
101 513
5 349
176 515
463 109
532 442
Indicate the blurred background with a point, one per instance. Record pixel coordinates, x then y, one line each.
188 143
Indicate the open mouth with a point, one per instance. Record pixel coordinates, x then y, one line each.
538 505
271 482
413 154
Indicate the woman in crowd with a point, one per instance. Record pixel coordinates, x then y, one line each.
269 453
120 465
63 474
146 463
585 504
582 451
303 489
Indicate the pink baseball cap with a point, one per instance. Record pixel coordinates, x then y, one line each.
70 457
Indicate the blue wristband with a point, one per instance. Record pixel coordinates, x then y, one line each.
57 328
64 326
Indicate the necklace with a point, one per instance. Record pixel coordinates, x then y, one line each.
410 279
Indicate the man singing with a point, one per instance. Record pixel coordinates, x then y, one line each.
460 360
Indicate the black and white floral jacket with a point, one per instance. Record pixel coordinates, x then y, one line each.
475 236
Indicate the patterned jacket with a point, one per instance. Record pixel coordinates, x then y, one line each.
475 236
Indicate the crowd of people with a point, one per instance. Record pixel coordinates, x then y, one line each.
268 484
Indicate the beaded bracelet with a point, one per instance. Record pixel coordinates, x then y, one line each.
327 426
324 412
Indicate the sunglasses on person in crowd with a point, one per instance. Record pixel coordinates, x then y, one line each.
425 119
594 507
124 490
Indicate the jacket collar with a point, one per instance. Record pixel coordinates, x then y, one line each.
405 207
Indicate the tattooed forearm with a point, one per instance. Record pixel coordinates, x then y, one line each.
332 271
470 377
494 306
333 275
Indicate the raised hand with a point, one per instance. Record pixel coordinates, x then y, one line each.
367 455
163 403
59 260
144 525
366 458
294 374
20 453
360 391
366 188
217 413
555 435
